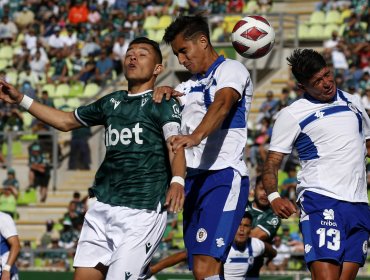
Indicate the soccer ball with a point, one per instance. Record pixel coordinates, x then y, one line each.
253 37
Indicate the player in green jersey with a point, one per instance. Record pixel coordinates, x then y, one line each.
265 223
125 225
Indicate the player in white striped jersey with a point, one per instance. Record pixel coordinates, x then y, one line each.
214 132
330 130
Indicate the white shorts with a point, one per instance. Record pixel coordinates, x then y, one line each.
122 238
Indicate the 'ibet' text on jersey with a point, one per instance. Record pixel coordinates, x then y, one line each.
112 136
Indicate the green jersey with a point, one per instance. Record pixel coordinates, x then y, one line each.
135 172
265 220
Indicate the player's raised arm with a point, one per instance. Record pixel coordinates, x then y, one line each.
282 207
58 119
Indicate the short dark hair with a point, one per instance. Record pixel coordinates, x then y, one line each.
188 26
305 63
248 215
155 45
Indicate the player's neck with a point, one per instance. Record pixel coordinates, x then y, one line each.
138 87
211 57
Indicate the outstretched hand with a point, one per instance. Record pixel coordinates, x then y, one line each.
9 93
175 198
186 141
283 208
167 91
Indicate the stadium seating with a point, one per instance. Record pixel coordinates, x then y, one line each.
62 90
303 31
12 77
59 102
164 22
91 89
250 7
316 31
50 88
333 16
328 30
150 22
6 52
73 103
317 17
76 89
230 21
3 64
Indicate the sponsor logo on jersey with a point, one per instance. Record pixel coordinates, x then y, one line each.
201 235
307 248
319 114
128 275
364 247
250 260
144 100
147 247
220 242
274 222
125 136
176 110
329 218
353 108
115 102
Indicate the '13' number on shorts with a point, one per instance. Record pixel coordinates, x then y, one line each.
334 234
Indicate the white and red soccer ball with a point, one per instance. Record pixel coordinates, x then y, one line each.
253 37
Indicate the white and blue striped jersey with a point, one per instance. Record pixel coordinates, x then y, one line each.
331 142
7 229
239 262
223 148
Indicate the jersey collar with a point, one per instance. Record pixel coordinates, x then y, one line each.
212 68
316 101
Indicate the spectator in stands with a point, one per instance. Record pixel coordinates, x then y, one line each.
80 204
288 186
73 216
218 7
364 83
119 50
87 73
30 38
11 182
135 13
285 99
14 121
91 46
57 256
280 262
264 6
60 72
325 6
8 30
77 63
354 32
8 201
68 236
269 106
47 236
25 255
21 57
80 156
10 247
45 99
104 68
94 16
332 43
55 42
39 66
39 174
25 17
78 13
69 40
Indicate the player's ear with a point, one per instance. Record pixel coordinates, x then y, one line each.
158 69
203 40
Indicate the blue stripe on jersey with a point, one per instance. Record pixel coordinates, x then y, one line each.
305 147
250 254
4 246
353 109
238 260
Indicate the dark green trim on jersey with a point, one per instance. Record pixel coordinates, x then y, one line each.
135 172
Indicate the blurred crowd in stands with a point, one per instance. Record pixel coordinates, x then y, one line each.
55 50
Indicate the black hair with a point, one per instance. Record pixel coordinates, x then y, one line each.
305 63
155 45
188 26
258 180
248 215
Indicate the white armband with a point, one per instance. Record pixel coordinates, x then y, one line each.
273 196
7 267
26 102
178 179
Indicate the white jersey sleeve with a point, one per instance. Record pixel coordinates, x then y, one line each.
7 226
285 131
232 73
365 117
